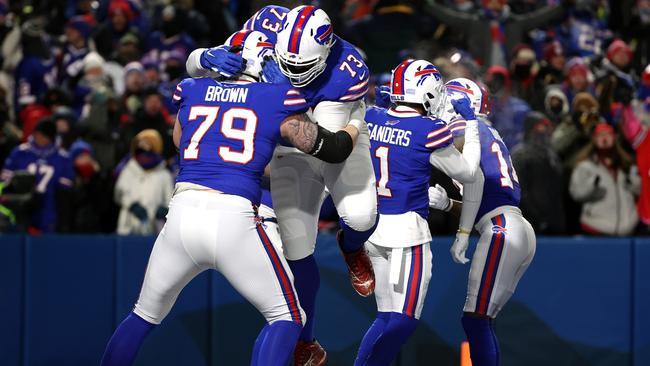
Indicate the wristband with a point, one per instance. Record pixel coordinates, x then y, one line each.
464 231
358 124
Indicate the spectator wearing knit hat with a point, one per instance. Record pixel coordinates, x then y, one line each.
523 73
615 84
142 209
556 104
578 78
507 111
606 183
70 58
108 35
551 69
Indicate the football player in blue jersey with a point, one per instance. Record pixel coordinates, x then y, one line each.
406 140
490 204
333 78
226 133
54 173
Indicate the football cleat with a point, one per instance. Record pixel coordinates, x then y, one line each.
309 354
362 275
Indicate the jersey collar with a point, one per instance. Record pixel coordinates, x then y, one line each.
403 111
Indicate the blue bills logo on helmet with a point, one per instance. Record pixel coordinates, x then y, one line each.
324 34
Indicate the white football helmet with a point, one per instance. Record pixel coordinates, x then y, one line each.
419 82
255 46
477 94
303 44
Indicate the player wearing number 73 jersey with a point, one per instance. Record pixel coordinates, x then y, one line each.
507 242
405 141
226 133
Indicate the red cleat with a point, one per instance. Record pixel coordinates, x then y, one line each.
362 275
309 354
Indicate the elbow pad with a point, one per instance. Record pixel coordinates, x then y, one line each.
332 147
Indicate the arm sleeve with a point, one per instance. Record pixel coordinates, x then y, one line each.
462 168
540 17
336 114
472 196
194 68
581 185
452 18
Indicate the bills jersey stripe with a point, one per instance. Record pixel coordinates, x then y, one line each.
239 38
415 276
437 132
293 92
439 141
296 32
295 101
351 97
359 86
285 283
178 87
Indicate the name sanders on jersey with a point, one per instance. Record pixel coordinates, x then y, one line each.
232 95
389 135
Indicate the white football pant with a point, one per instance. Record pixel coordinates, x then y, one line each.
210 230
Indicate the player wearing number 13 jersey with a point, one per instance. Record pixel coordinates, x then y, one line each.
507 241
405 141
226 133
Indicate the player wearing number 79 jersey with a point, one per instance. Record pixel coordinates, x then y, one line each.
507 242
226 133
405 141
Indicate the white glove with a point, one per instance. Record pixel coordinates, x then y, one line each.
438 198
459 248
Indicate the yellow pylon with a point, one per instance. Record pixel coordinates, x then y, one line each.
464 354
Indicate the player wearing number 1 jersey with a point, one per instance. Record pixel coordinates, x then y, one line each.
226 133
507 242
405 141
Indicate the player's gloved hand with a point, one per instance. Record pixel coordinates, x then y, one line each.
139 211
463 106
221 60
460 247
271 72
382 96
438 198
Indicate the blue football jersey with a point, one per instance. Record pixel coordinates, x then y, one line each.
501 187
53 170
267 20
401 142
345 78
229 132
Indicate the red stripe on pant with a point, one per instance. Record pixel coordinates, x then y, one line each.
491 268
414 281
285 283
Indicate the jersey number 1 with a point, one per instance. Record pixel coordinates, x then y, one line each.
382 154
246 135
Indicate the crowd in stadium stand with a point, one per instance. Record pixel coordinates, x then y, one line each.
85 91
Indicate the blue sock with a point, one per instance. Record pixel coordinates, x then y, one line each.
307 281
483 349
398 330
279 341
353 240
496 342
375 330
126 341
258 345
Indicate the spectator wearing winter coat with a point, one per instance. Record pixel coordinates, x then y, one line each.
540 176
616 84
551 69
606 183
144 187
556 105
523 73
578 79
573 134
508 112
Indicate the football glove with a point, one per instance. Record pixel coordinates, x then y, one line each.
271 72
382 96
460 247
223 61
139 211
438 198
463 107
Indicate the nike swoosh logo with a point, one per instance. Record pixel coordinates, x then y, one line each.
362 75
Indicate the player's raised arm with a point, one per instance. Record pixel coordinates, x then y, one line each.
461 167
308 137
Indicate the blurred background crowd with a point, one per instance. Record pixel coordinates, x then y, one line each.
86 111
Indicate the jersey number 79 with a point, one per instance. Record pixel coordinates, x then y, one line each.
246 135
